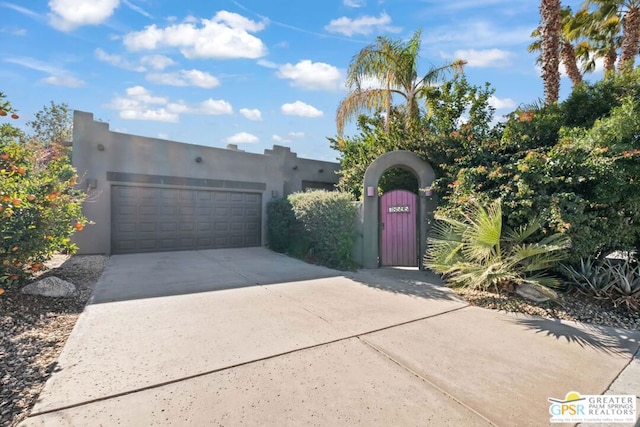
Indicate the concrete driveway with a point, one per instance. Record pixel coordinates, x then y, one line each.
247 336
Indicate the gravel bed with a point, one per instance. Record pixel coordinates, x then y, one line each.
33 330
572 306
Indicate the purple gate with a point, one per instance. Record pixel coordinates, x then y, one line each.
398 237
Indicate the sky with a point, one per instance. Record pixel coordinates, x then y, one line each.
248 72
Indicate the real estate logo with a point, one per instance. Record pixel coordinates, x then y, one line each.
576 408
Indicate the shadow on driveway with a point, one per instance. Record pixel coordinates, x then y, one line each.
605 339
405 281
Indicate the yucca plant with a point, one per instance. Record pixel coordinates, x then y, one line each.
476 251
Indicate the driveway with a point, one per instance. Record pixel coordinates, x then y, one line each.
251 337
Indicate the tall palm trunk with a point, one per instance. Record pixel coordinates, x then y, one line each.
610 60
630 35
551 29
570 62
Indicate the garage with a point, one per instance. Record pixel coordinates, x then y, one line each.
153 219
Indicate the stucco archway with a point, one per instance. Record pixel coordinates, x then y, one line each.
370 232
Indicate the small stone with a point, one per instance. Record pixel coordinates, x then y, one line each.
532 293
50 287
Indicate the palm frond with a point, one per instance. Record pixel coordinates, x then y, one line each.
359 102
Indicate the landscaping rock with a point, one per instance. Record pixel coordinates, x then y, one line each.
51 287
532 293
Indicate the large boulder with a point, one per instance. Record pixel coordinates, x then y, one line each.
50 287
534 293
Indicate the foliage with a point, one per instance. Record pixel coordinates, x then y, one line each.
615 280
53 125
474 250
328 224
438 138
39 206
281 225
575 171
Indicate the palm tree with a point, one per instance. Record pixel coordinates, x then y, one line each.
572 31
601 39
393 66
550 33
628 12
477 252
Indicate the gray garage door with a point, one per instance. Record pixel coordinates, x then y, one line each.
150 219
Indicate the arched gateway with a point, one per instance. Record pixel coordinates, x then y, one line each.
371 249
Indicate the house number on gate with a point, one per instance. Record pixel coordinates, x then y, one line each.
398 209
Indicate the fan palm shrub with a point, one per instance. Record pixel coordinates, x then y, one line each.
475 250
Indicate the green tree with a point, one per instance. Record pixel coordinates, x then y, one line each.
628 14
393 65
53 125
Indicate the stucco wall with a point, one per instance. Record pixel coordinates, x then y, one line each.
97 151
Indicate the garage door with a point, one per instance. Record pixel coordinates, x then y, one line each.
151 219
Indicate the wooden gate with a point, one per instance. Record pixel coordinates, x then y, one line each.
398 236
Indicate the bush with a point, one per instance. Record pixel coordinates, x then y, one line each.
281 225
327 220
39 206
575 172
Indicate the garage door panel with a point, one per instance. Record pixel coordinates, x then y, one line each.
146 219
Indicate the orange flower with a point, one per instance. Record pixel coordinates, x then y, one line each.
31 197
14 249
22 171
79 226
16 202
3 113
15 116
4 156
1 291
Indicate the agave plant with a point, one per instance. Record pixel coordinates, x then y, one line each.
626 283
476 251
591 277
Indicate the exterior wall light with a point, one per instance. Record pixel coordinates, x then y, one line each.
198 159
100 147
371 191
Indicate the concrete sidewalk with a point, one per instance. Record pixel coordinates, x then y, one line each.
256 338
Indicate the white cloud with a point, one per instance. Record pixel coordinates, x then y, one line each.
226 35
58 76
482 58
289 138
138 9
117 61
63 80
312 75
140 104
364 25
157 62
215 107
66 15
501 103
355 3
185 78
301 109
251 114
242 138
267 64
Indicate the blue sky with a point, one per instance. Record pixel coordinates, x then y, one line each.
254 73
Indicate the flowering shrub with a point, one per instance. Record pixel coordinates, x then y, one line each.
39 207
